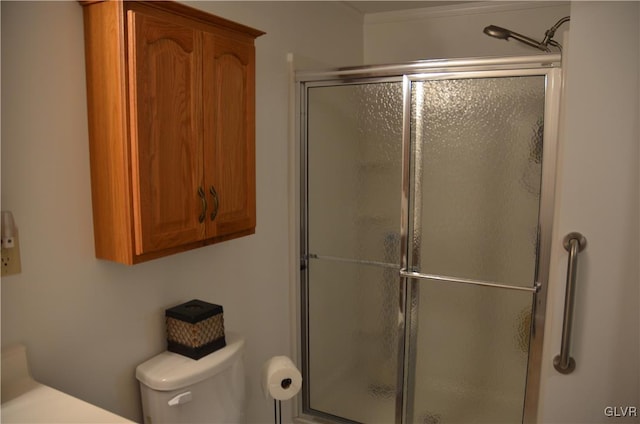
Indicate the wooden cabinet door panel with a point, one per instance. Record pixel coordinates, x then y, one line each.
229 131
166 87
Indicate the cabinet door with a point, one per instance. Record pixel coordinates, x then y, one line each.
229 134
165 70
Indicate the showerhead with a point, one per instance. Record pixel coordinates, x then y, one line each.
497 32
505 34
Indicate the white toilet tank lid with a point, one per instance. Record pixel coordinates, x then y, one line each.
171 371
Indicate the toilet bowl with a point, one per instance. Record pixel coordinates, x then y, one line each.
178 389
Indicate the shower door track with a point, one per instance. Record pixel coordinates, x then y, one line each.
358 73
545 64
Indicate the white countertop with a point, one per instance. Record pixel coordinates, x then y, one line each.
24 400
43 404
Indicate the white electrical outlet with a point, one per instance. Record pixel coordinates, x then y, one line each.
11 258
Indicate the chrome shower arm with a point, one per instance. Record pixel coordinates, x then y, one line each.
552 31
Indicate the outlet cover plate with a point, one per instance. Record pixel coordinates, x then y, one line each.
10 264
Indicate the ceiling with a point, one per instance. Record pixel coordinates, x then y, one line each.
366 7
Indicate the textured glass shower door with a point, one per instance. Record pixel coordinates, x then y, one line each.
354 171
427 202
474 223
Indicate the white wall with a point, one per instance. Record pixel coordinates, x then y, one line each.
456 30
598 195
87 323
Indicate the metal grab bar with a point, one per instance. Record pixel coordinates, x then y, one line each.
573 243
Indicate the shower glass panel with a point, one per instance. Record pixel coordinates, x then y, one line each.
353 350
470 354
478 165
354 171
476 181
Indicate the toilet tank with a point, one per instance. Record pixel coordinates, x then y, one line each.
178 389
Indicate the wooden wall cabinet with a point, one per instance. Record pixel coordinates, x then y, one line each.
171 103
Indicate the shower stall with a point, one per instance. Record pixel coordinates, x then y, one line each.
426 210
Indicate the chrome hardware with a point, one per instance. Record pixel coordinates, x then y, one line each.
573 243
354 261
180 399
203 198
411 274
216 202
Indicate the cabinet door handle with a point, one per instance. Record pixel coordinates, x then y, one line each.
203 198
216 202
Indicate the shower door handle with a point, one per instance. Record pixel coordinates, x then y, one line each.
573 243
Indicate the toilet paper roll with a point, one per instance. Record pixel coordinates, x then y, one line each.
280 378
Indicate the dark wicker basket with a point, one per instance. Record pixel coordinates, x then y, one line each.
195 328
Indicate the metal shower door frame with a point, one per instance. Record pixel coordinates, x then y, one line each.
305 81
547 65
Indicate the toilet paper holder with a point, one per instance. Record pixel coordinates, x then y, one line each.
281 380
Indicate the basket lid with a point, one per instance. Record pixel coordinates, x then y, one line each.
193 311
171 371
